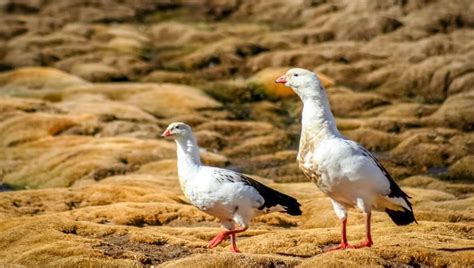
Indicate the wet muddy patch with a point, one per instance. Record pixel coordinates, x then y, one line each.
121 247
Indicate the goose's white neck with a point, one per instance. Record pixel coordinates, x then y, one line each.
188 156
317 119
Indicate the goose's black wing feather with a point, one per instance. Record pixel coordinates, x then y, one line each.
270 196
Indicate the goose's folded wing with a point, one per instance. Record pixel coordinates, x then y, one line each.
272 198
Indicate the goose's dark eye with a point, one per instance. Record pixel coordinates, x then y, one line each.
177 127
295 75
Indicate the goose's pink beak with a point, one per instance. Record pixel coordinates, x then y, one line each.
281 80
165 134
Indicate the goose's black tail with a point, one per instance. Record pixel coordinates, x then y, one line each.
274 200
289 204
400 217
404 217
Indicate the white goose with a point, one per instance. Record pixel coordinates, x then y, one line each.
341 168
232 197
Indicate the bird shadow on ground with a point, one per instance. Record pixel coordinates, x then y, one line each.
456 249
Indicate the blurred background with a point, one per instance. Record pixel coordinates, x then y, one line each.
87 87
399 73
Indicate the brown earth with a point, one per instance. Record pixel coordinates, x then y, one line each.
87 87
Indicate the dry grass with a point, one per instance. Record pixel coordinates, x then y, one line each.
102 220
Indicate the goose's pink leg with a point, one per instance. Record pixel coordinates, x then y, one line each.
233 246
368 239
343 244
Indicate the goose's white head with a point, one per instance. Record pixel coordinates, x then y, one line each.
177 130
305 83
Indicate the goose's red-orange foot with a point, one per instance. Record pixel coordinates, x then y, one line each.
341 246
223 235
365 244
217 239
